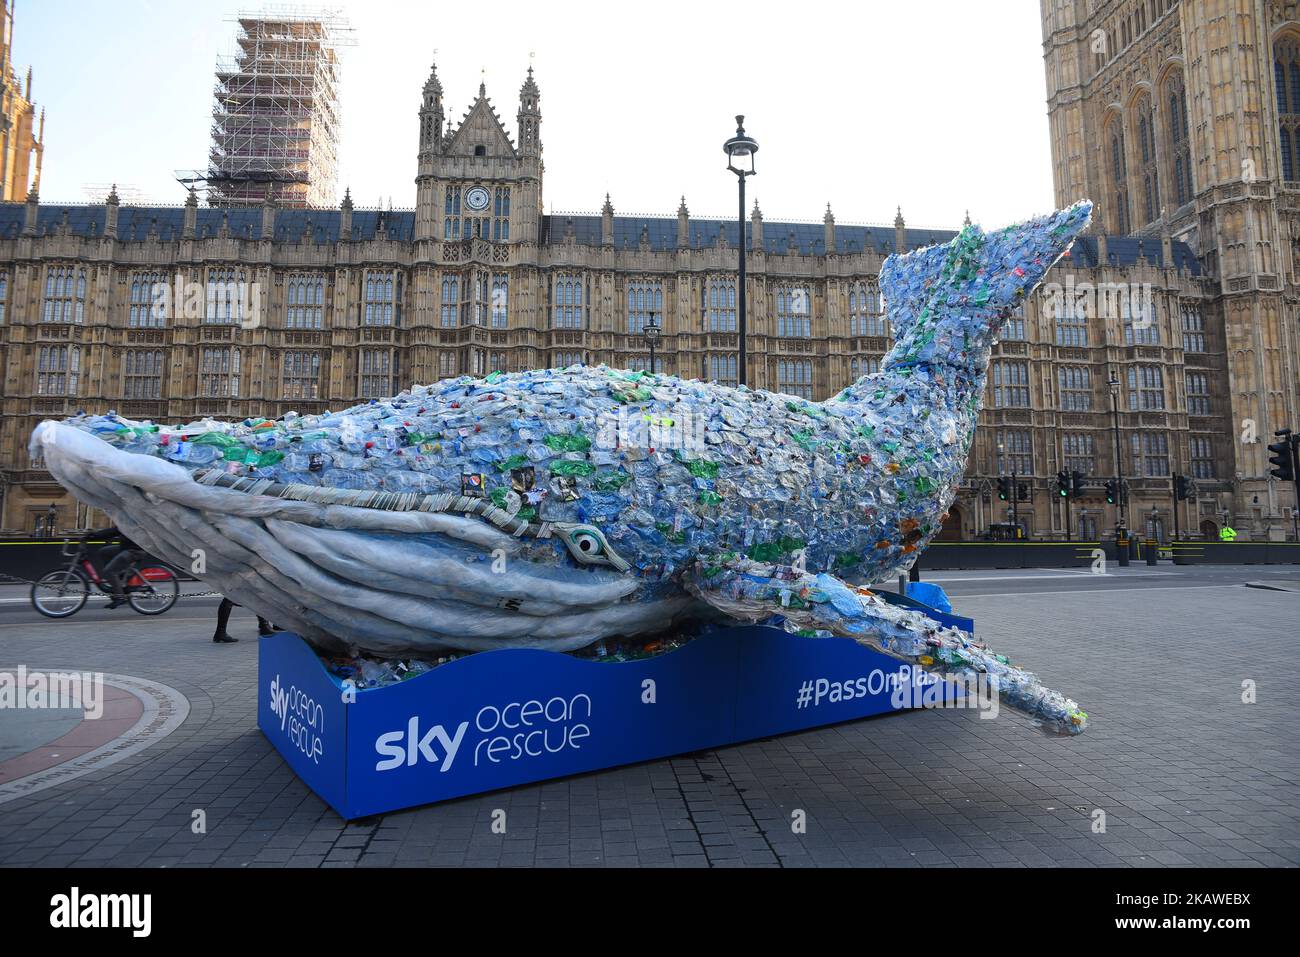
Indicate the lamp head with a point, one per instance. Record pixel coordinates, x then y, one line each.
740 150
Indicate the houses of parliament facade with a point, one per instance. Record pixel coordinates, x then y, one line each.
1146 119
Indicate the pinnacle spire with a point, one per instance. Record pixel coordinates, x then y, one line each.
530 85
433 84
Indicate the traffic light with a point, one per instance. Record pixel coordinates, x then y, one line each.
1022 492
1004 488
1063 484
1076 479
1283 458
1182 488
1112 492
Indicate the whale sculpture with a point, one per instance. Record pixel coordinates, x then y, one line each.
551 509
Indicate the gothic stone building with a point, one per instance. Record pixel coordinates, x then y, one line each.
1181 118
22 130
359 304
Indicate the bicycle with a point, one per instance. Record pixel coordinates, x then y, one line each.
150 589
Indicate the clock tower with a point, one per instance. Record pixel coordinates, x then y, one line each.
473 181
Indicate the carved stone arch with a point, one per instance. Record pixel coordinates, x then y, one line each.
1286 26
1140 89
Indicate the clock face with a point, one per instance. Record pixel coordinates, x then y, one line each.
477 198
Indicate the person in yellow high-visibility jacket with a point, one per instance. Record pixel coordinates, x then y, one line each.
1227 534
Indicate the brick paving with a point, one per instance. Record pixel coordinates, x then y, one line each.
1185 773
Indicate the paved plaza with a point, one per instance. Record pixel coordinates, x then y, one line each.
1176 770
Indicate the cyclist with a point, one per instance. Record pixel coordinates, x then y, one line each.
114 557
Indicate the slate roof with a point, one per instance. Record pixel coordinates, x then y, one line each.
807 239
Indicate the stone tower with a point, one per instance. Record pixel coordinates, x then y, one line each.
473 181
1177 118
22 131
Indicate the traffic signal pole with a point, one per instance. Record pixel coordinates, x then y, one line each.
1286 466
1015 510
1295 473
1173 477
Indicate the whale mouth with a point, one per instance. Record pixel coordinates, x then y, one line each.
353 578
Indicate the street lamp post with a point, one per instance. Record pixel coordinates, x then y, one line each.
651 333
740 150
1121 493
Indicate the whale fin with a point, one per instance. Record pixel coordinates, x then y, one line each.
754 592
907 280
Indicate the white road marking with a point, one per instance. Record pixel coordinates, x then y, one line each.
165 710
1077 591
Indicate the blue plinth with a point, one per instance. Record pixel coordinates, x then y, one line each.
503 718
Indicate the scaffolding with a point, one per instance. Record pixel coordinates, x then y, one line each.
275 120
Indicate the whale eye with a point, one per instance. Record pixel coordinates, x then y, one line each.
588 546
587 543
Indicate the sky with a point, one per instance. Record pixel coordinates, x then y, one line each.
937 107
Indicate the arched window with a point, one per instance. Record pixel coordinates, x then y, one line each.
567 302
381 305
644 299
1178 144
1119 179
62 304
1145 130
1286 78
150 300
58 369
449 309
305 309
866 317
720 305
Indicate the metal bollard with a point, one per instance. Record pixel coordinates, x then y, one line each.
1153 552
1121 551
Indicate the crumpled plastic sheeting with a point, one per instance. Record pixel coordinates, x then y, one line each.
552 508
749 591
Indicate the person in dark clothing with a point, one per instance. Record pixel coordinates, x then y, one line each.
114 558
264 627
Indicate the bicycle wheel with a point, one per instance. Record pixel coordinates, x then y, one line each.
152 589
60 593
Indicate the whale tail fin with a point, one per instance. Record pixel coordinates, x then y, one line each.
1010 262
1015 259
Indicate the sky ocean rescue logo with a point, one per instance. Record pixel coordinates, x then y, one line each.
517 731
